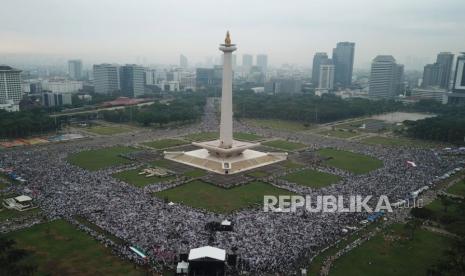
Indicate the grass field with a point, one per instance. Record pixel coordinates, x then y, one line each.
258 174
312 178
132 177
452 218
288 164
60 249
199 194
108 130
195 173
392 253
395 141
101 158
165 143
338 133
284 145
205 136
458 188
278 124
350 161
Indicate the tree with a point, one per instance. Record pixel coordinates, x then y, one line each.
12 259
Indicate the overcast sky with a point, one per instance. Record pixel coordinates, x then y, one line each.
288 31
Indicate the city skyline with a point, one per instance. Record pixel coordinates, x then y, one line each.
85 32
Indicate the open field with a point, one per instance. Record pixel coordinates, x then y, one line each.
132 177
393 253
458 188
205 136
312 178
101 158
199 194
338 133
258 174
396 141
195 173
350 161
278 124
450 216
108 130
288 164
398 117
57 246
165 143
284 145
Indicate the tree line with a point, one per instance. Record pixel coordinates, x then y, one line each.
187 108
25 123
307 108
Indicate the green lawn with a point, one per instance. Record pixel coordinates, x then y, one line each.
134 178
392 253
165 143
452 218
312 178
199 194
101 158
395 141
195 173
458 188
350 161
284 145
288 164
108 130
205 136
338 133
258 174
278 124
163 163
60 249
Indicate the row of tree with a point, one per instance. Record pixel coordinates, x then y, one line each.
307 108
25 123
182 109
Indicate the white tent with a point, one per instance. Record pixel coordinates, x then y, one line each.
207 252
183 267
226 222
23 198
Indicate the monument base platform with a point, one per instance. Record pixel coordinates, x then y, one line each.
246 160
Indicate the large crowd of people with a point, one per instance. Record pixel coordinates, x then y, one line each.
263 241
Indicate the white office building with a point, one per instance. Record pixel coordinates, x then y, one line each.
75 69
326 81
11 91
383 77
106 78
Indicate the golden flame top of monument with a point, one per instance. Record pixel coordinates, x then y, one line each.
227 40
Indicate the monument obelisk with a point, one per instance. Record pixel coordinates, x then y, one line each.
226 124
226 155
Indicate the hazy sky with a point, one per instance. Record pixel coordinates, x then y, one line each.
288 31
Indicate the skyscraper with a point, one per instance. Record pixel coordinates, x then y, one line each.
326 75
459 78
318 59
132 80
438 73
247 61
75 69
106 78
343 59
383 77
183 63
444 60
10 85
262 62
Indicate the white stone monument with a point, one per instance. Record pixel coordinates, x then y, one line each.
226 155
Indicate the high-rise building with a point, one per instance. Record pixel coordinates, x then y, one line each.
10 85
183 61
318 60
150 76
438 73
458 85
247 61
343 59
106 78
383 77
132 80
445 61
204 77
262 62
50 99
75 69
326 81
